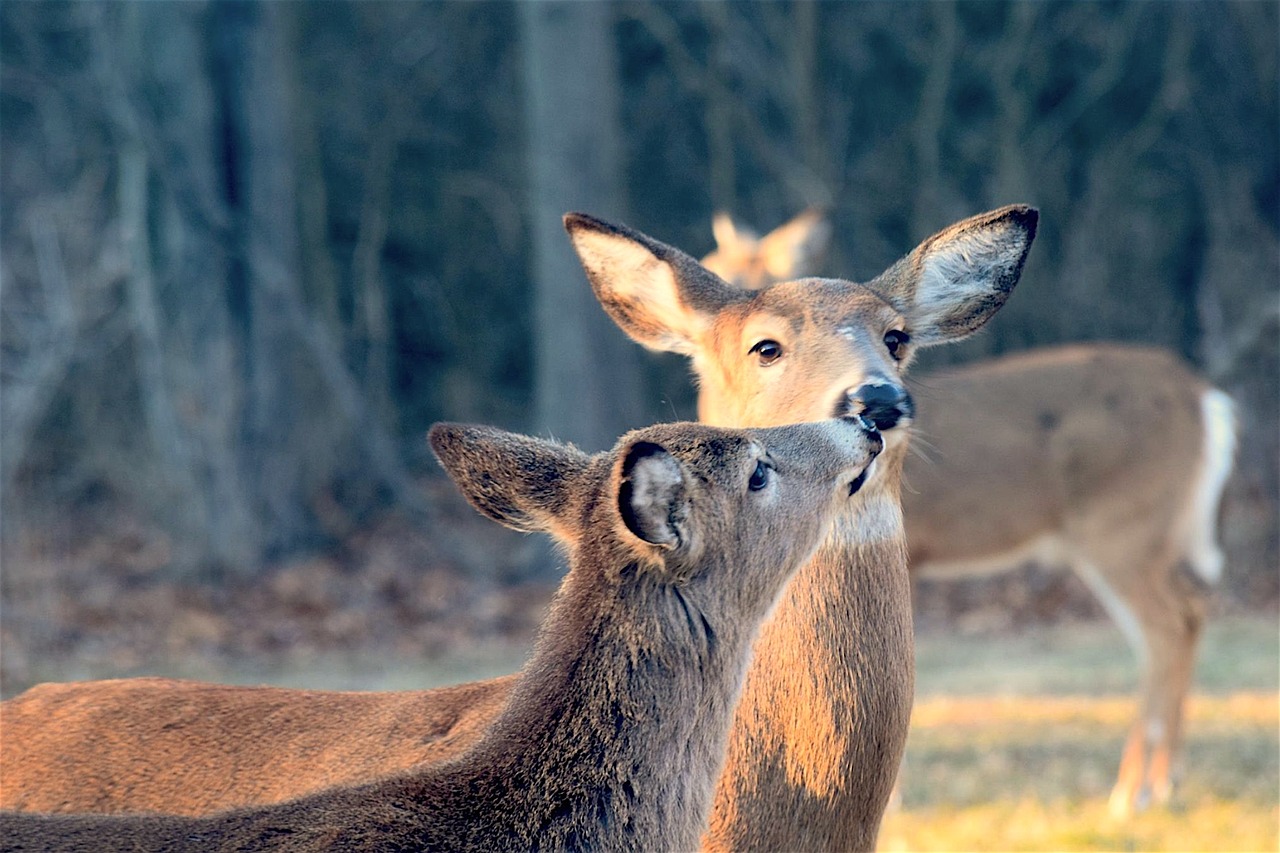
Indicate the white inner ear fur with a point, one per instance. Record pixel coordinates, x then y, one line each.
959 270
631 273
656 486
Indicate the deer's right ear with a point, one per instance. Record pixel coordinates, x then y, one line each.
660 296
653 498
525 483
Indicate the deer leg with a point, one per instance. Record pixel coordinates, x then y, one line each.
1129 792
1172 669
1169 613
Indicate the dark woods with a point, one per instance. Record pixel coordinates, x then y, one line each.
251 250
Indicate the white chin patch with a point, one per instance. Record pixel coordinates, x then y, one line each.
876 519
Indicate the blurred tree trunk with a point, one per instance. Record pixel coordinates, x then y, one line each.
260 172
586 386
191 245
171 227
308 427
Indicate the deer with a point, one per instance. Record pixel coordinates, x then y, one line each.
1107 459
822 723
795 249
680 540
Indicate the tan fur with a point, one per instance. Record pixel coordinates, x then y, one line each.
185 747
818 737
615 732
1095 456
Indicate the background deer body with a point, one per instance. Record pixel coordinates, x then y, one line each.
820 731
1107 459
680 540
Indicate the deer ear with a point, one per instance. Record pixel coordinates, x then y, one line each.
527 484
797 248
727 233
660 296
956 280
652 496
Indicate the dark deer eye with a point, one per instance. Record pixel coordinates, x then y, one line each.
759 477
895 340
768 351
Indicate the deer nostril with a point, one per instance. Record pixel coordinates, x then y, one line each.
882 403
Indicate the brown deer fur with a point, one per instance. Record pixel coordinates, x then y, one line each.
818 738
1131 507
680 541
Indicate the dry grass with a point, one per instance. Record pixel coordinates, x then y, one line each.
1010 770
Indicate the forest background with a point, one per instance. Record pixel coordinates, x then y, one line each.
251 251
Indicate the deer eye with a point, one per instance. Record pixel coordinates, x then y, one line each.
895 340
759 477
768 351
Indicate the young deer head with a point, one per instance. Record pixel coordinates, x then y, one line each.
791 250
721 516
680 540
823 719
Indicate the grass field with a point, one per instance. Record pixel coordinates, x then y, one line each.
1015 741
1015 737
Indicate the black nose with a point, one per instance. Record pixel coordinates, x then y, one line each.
882 403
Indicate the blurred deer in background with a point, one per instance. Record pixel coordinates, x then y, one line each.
793 250
821 728
680 541
1110 459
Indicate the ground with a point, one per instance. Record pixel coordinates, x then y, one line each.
1024 689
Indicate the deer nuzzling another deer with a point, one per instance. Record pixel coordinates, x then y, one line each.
820 731
680 541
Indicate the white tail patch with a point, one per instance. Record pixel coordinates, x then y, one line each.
1218 412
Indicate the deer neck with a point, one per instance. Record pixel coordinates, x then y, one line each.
638 716
822 723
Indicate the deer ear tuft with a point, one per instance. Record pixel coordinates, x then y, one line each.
657 294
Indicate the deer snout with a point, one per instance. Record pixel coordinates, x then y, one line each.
885 404
869 443
868 432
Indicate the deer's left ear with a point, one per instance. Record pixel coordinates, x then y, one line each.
729 235
956 280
